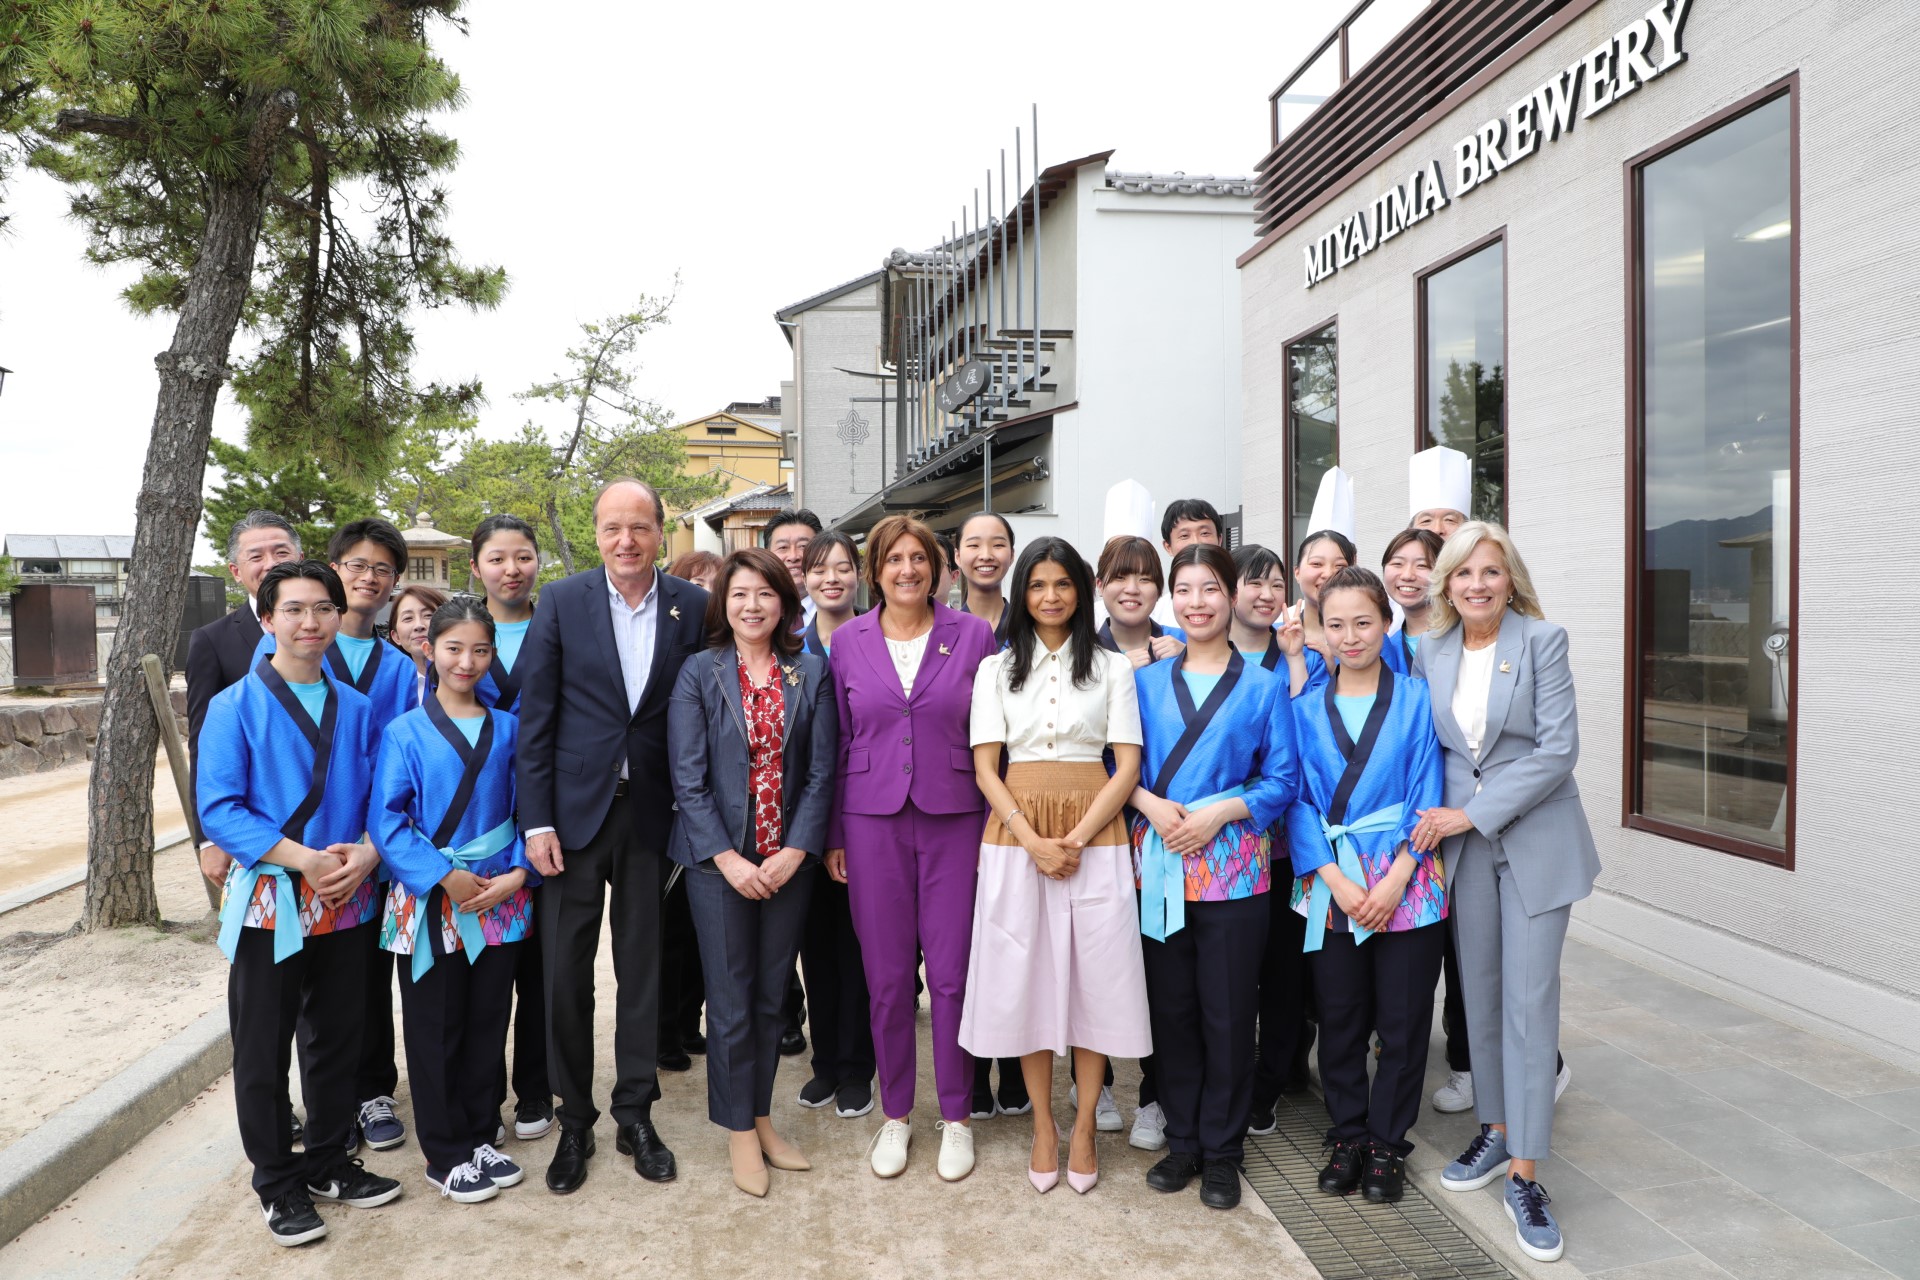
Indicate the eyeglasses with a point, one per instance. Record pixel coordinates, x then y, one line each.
299 612
360 568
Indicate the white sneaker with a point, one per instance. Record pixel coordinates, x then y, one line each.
1561 1081
1456 1094
889 1151
1149 1128
1106 1112
956 1150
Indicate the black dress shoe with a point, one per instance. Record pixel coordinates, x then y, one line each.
792 1041
651 1159
1385 1178
569 1167
1175 1170
1220 1188
1343 1170
675 1060
694 1043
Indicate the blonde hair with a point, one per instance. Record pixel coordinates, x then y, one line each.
1458 549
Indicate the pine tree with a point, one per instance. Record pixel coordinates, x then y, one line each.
266 163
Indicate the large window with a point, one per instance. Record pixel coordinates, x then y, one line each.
1463 367
1313 425
1714 404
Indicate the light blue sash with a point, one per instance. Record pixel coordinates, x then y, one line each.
1163 878
467 923
1339 840
287 937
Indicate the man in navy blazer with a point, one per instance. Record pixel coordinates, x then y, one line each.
596 803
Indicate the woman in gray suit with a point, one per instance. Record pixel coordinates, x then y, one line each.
1519 849
753 733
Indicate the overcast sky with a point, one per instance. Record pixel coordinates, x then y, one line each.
762 152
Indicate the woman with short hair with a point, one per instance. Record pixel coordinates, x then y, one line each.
1406 567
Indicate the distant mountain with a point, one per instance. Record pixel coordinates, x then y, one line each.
1715 572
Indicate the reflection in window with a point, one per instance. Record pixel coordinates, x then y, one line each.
1463 379
1715 583
1306 91
1374 26
1313 425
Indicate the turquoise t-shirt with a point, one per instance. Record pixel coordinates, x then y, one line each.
507 637
469 727
1413 643
355 651
1353 711
1198 685
312 696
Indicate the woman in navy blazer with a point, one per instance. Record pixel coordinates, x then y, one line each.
906 830
753 735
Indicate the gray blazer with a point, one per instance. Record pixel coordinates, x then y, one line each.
1528 805
707 749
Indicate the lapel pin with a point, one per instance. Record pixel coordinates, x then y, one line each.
1505 668
674 613
946 652
793 675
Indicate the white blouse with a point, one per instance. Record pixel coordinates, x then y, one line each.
1050 719
1470 692
906 658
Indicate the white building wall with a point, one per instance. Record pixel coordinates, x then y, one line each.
843 333
1834 943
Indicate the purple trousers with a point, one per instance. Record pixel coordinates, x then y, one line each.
910 881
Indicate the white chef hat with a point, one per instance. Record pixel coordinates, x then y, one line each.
1333 505
1439 479
1129 512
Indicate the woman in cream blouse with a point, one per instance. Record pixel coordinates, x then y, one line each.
1056 937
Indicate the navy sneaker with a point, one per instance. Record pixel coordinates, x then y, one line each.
1484 1160
463 1184
379 1126
502 1171
1533 1226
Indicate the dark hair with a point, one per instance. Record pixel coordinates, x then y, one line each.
659 507
432 597
691 564
825 545
1212 558
259 520
951 552
1429 541
1251 560
786 516
1126 553
456 610
378 532
989 515
312 570
786 641
1190 509
503 523
880 542
1023 637
1338 539
1354 578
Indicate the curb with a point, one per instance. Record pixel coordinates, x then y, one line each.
68 879
49 1164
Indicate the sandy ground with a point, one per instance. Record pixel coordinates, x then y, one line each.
81 1009
45 816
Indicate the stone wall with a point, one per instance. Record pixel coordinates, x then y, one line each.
49 735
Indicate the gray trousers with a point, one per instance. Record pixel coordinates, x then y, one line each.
1510 975
746 949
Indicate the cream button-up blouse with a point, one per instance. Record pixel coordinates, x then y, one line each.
1049 719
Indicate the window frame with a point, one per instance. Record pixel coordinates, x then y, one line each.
1287 549
1633 193
1421 439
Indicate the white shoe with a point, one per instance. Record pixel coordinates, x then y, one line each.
1561 1081
1149 1128
889 1152
1106 1112
1456 1094
956 1150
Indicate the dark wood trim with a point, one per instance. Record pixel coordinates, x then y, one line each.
1286 548
1420 278
1635 642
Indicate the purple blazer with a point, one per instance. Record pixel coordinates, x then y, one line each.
893 748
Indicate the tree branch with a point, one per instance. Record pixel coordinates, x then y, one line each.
276 113
78 120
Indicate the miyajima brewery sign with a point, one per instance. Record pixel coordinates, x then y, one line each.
1645 50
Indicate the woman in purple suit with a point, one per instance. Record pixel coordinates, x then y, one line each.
905 836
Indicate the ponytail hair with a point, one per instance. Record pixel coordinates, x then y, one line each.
455 611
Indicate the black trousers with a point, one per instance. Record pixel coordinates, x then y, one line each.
455 1020
682 984
379 1073
1285 982
1203 997
317 995
1384 984
837 1005
747 948
610 874
1453 1013
530 1084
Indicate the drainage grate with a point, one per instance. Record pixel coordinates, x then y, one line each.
1344 1236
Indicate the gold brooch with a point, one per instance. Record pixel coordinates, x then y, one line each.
1505 668
674 613
946 652
793 675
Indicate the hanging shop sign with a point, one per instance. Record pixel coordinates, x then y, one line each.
1644 51
966 383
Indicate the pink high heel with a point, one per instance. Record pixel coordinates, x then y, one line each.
1082 1182
1045 1182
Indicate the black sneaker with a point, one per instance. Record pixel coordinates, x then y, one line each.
853 1100
1174 1171
292 1219
349 1183
296 1133
1385 1177
532 1119
1344 1167
1262 1121
816 1093
1220 1186
1013 1099
982 1107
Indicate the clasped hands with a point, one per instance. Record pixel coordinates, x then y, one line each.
474 894
336 871
763 881
1184 831
1371 909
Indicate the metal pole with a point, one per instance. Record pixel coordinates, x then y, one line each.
1038 328
1020 261
986 476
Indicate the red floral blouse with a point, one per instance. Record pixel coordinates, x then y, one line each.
765 707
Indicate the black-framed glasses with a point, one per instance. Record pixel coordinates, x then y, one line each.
360 568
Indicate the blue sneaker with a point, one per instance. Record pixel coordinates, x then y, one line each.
504 1172
1484 1160
463 1184
381 1128
1533 1226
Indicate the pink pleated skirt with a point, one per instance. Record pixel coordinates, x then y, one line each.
1055 964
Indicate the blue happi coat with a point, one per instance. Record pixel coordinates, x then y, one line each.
499 685
388 681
